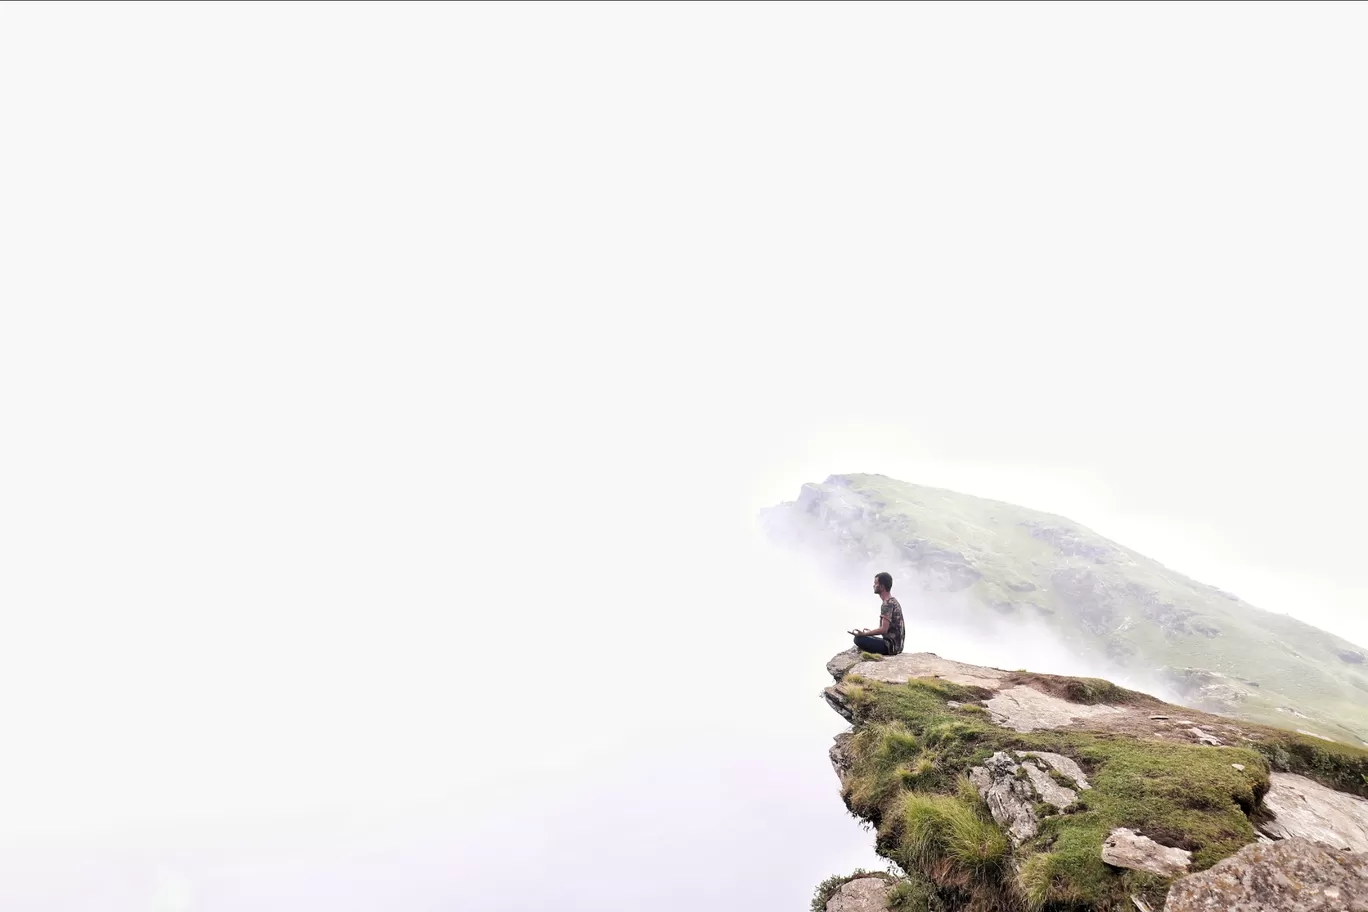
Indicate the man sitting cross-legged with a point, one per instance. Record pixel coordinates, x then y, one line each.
887 638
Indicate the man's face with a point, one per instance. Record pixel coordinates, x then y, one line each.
876 585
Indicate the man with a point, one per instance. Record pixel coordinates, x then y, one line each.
887 639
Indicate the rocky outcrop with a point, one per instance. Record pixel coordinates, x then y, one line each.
1079 772
1010 799
1125 848
839 754
900 668
1011 786
1021 702
842 662
1295 875
1303 808
863 894
999 570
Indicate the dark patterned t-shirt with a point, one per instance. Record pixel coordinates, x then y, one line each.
894 635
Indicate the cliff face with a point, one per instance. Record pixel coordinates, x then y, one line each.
999 569
998 791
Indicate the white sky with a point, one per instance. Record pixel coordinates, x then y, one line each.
382 381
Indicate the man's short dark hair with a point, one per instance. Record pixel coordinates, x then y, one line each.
885 580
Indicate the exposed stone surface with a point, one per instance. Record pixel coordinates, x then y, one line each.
1125 848
1011 800
1307 809
1204 738
863 894
899 668
840 759
1061 764
1295 875
1022 703
836 699
1045 786
842 662
1026 709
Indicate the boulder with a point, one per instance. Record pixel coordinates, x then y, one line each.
1125 848
1304 808
1010 799
842 662
1295 875
1012 788
863 894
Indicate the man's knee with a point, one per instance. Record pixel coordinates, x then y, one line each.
871 644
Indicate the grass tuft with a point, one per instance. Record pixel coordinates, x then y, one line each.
914 894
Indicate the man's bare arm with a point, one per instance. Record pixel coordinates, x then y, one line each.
883 627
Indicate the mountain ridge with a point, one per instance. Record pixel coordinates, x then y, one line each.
1006 568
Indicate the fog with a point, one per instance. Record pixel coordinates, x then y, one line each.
389 392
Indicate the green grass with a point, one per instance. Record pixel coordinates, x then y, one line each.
914 894
1335 765
910 753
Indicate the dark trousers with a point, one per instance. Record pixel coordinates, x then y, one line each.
876 644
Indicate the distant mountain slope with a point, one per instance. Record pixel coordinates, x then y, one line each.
1012 565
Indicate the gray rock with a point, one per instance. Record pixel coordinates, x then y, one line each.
1125 848
842 662
1304 808
1045 786
1295 875
1025 709
1010 800
900 669
840 754
1204 738
1239 766
1061 764
836 699
863 894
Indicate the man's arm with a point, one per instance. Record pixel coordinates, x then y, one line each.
883 627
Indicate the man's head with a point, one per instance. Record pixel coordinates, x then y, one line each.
883 583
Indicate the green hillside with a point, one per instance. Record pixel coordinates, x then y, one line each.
1100 599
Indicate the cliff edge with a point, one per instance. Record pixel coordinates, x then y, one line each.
1010 791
